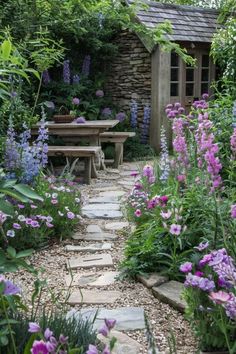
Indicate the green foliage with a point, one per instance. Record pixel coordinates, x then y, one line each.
11 261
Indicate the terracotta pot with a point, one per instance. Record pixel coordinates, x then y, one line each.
65 118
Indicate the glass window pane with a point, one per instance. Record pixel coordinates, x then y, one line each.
174 89
204 88
174 59
205 75
189 89
205 60
174 75
189 74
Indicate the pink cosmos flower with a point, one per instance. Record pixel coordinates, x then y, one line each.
39 347
220 297
175 229
186 267
166 215
138 213
54 201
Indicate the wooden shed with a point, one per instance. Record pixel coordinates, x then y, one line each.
162 77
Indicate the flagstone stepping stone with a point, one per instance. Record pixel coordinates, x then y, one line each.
124 344
97 260
104 236
116 226
111 193
92 279
126 183
92 207
94 297
106 189
94 229
127 318
112 170
171 294
128 173
103 200
102 214
152 279
110 178
89 248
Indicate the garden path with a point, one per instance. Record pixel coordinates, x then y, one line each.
92 264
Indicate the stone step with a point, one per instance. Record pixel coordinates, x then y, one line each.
94 207
112 193
94 229
152 279
97 279
102 214
127 318
104 200
110 178
113 170
93 297
128 173
116 226
170 293
97 260
104 236
126 183
124 344
89 248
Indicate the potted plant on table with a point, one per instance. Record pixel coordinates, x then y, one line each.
211 301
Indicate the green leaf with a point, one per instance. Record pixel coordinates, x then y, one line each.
25 253
29 344
6 207
11 251
15 195
27 191
3 341
6 48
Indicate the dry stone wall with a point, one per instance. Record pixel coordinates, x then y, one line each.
129 74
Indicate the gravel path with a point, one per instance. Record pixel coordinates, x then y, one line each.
52 261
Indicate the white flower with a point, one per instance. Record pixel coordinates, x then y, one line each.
21 218
10 233
67 208
47 195
60 213
77 200
49 219
54 195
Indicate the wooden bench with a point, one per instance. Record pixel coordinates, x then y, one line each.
118 138
88 153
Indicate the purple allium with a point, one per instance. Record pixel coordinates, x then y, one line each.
120 116
39 347
99 93
175 229
205 96
86 65
106 111
66 72
46 77
34 327
92 349
76 101
80 120
186 267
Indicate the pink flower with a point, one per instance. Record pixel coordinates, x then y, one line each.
39 347
3 217
148 171
99 93
49 225
134 173
104 330
166 215
205 260
220 297
70 215
198 273
54 201
181 178
186 267
47 333
34 327
21 206
233 211
151 179
138 213
92 349
175 229
16 226
75 101
163 200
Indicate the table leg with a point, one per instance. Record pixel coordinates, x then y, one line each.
87 169
93 168
118 154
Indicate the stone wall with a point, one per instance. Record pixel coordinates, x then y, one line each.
129 75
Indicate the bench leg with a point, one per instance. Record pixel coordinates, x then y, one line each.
93 169
118 154
88 170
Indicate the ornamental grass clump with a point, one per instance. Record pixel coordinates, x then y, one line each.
210 293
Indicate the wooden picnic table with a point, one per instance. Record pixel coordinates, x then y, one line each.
72 132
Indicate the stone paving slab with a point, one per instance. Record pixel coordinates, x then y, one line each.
128 173
93 229
102 214
110 178
112 170
97 279
104 200
116 226
112 193
98 260
101 206
107 189
124 344
89 248
152 279
125 183
127 318
104 236
94 297
171 294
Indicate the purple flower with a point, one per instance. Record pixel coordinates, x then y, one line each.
34 327
16 226
205 260
80 120
13 94
49 225
47 333
106 350
39 347
233 211
138 213
199 282
205 96
63 339
76 101
76 79
3 217
133 114
92 349
120 116
99 93
106 111
70 215
34 224
110 323
186 267
175 229
202 246
148 171
10 288
104 330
